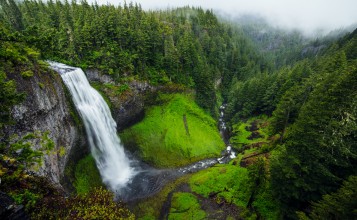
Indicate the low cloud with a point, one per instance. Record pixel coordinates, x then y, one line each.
305 15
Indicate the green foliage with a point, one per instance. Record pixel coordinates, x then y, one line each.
261 198
9 97
185 46
246 98
16 58
163 129
266 204
62 151
318 150
225 181
116 89
313 111
27 197
87 176
254 130
150 208
20 149
185 206
17 154
249 189
98 204
338 205
27 74
312 104
279 46
12 14
16 159
41 85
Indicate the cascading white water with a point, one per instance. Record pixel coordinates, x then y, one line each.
105 145
119 172
222 129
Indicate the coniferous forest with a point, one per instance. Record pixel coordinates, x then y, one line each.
290 107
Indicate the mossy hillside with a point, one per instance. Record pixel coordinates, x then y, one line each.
150 208
162 138
232 184
251 131
87 176
226 181
227 184
185 206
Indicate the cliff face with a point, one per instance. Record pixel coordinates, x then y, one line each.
127 109
48 108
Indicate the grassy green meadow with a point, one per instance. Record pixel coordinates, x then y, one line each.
185 206
87 176
162 138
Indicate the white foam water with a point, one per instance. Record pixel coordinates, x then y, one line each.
105 145
128 178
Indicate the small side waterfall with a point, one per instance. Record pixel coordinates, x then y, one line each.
128 178
228 153
113 164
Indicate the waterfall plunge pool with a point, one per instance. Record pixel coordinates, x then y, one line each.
128 177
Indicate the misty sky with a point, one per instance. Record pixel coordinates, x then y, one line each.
307 15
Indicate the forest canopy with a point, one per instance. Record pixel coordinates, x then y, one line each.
307 89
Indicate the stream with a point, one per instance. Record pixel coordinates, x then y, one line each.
150 181
127 176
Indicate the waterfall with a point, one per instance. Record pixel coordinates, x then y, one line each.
223 130
129 179
108 152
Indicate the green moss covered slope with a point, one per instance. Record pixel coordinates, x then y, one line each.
174 133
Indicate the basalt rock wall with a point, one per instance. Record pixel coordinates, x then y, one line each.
48 108
127 109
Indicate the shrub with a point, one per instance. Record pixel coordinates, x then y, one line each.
27 74
98 204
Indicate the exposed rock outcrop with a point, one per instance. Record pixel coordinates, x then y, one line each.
127 108
9 210
130 108
48 108
95 75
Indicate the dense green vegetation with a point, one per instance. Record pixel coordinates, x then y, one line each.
225 181
186 46
174 133
280 47
41 199
338 205
228 189
313 109
301 95
185 206
16 153
247 188
253 131
86 175
99 204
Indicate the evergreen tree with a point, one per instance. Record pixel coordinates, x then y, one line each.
341 204
320 148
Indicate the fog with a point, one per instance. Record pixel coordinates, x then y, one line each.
305 15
